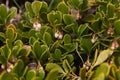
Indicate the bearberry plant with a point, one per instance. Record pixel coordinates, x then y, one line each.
61 40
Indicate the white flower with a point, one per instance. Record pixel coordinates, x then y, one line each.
94 38
110 31
2 66
8 70
58 35
10 67
37 26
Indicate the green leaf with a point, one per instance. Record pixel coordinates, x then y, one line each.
53 4
47 38
103 55
57 54
70 58
110 10
51 66
67 39
44 8
12 26
70 28
53 75
41 74
84 44
103 68
30 74
81 29
36 6
69 47
63 8
117 60
3 12
18 68
100 77
75 3
32 40
10 34
68 19
117 27
82 73
6 52
18 42
2 36
54 17
37 49
66 66
8 76
2 60
28 8
43 50
25 51
89 18
17 47
33 33
11 13
16 50
118 74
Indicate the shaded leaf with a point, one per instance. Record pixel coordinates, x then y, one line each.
18 68
8 76
81 29
89 18
117 27
84 44
110 10
57 54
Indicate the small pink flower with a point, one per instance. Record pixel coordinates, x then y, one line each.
114 45
58 35
37 26
75 13
110 31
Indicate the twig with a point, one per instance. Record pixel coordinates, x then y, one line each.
79 54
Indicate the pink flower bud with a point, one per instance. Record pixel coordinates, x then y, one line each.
114 45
